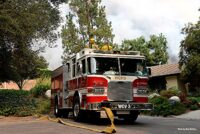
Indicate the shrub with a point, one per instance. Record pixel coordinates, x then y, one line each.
193 103
198 99
153 95
178 108
39 90
16 102
169 93
194 107
193 100
163 107
43 106
183 97
22 103
158 100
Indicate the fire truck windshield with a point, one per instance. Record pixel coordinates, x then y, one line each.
116 66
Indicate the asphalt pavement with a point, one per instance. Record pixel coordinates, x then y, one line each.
144 125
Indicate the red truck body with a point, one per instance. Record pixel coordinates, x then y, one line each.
93 79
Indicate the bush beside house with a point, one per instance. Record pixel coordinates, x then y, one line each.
39 90
166 80
24 103
16 102
163 106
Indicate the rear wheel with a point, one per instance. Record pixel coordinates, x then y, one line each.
56 109
76 109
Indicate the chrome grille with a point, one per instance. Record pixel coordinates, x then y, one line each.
120 91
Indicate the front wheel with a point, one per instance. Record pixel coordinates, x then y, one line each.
76 109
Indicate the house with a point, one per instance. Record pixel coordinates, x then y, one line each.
12 85
165 77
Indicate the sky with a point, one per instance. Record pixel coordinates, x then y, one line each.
134 18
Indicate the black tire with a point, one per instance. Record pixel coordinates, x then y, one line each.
132 117
56 109
76 109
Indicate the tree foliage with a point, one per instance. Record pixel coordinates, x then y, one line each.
57 2
86 19
22 24
155 50
27 20
190 54
25 66
70 39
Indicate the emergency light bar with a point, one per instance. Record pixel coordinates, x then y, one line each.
89 51
118 52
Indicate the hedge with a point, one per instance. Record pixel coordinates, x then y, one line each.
162 107
16 102
169 93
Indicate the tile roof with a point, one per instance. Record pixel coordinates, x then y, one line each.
166 69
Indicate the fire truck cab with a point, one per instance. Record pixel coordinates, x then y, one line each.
93 79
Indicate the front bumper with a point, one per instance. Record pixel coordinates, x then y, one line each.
120 106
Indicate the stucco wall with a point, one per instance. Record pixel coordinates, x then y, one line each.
11 85
172 82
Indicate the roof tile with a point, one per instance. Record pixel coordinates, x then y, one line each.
166 69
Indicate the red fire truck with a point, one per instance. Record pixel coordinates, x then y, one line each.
92 79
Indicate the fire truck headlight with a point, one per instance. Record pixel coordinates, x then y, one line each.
141 91
96 90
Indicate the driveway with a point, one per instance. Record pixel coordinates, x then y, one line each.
144 125
193 115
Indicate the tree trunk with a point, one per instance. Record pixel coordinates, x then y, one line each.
20 84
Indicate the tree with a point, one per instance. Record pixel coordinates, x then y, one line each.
190 55
28 19
22 24
158 49
26 65
87 19
70 39
155 50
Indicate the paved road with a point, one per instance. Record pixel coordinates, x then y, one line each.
144 125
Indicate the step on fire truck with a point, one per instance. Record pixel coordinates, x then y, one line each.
93 79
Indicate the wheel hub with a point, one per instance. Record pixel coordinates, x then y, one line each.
76 110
